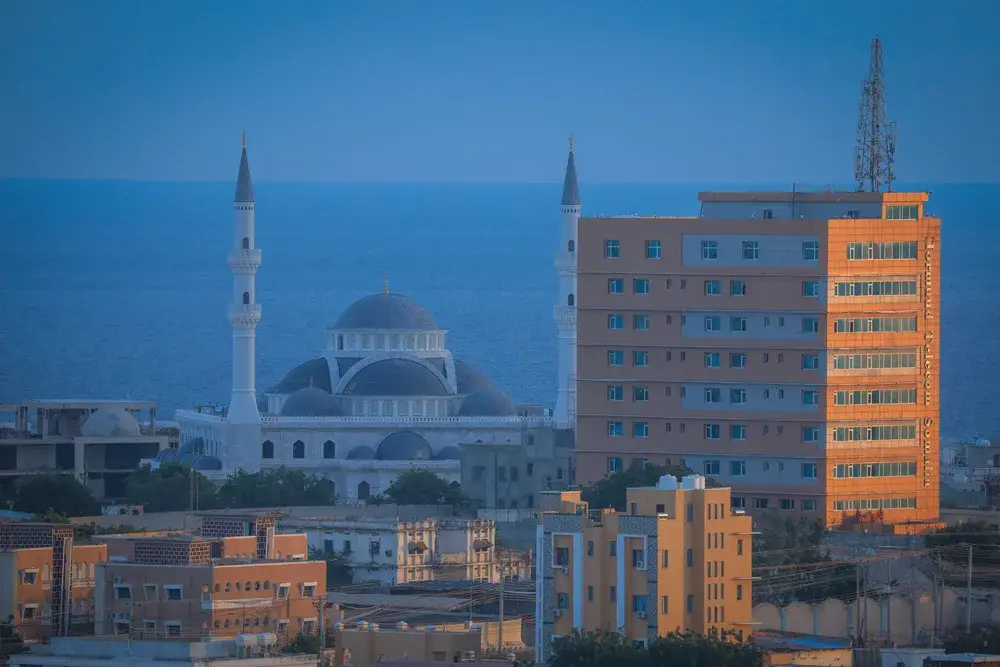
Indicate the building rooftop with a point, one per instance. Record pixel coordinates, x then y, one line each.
769 640
970 658
78 404
823 196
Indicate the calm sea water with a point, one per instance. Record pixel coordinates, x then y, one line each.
118 289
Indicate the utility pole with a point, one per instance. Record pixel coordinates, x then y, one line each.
888 597
968 596
321 604
857 603
500 627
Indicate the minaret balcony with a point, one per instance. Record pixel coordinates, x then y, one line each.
566 262
244 313
565 316
244 259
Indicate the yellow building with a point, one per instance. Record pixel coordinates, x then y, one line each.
678 560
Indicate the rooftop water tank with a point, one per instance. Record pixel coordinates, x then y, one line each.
246 640
667 483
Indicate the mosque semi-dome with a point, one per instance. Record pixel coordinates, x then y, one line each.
449 453
312 373
110 423
396 377
387 311
487 403
361 453
469 378
311 402
404 446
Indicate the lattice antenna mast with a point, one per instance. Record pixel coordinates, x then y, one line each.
876 138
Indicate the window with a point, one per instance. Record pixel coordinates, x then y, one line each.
713 323
615 392
562 601
612 249
737 323
652 250
768 214
665 604
562 557
590 547
739 502
737 288
267 450
751 250
614 463
616 285
876 397
876 288
616 321
281 590
638 559
123 592
712 360
809 471
809 505
810 362
640 322
760 503
810 251
709 250
640 394
149 590
877 469
712 467
904 212
690 604
638 603
886 250
640 286
737 360
713 287
738 432
29 576
810 325
738 468
713 395
738 396
309 590
810 288
875 360
616 358
712 431
810 397
329 450
298 450
640 429
689 556
640 358
875 324
739 587
612 548
612 594
615 429
173 593
570 300
810 434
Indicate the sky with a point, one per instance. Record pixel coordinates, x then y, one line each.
451 90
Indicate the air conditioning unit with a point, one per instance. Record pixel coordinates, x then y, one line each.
564 569
641 614
640 565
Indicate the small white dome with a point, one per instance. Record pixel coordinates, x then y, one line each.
110 423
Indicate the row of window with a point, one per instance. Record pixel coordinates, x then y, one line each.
750 250
613 249
808 504
640 429
882 250
810 361
874 504
713 467
875 324
876 397
876 288
902 212
298 450
873 433
894 469
737 395
846 362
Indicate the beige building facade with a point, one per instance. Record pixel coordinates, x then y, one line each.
783 343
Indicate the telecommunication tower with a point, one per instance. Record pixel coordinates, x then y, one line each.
876 138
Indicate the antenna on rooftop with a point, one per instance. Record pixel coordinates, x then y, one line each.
875 146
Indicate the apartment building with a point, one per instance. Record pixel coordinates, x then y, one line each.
783 343
393 551
46 582
368 644
663 566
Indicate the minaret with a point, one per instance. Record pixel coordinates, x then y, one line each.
244 315
565 310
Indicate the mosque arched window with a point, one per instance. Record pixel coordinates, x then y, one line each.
267 450
570 300
329 450
571 246
246 298
298 450
246 243
364 491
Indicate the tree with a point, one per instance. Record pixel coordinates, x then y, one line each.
611 649
303 645
168 488
984 639
338 569
422 487
594 649
282 487
952 543
10 638
610 491
51 492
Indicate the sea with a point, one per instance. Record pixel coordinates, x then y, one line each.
118 289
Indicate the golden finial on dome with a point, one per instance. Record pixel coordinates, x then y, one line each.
570 142
245 139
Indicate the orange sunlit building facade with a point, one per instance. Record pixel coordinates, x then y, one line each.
678 559
783 343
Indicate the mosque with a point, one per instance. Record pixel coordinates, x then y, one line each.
385 394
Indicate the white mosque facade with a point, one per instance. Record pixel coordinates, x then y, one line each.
385 394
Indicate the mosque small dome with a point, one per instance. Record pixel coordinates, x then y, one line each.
449 453
166 455
361 453
405 446
487 403
311 402
110 423
207 463
469 378
387 311
396 377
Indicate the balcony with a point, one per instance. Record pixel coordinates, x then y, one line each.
244 259
565 262
565 316
245 313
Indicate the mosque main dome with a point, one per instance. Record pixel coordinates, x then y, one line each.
386 311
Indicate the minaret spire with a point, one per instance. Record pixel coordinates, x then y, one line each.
385 283
564 312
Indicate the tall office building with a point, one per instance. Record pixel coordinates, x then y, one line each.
784 343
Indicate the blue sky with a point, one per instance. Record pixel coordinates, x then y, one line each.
452 90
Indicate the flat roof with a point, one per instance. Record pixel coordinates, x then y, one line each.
425 602
787 641
826 196
78 404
